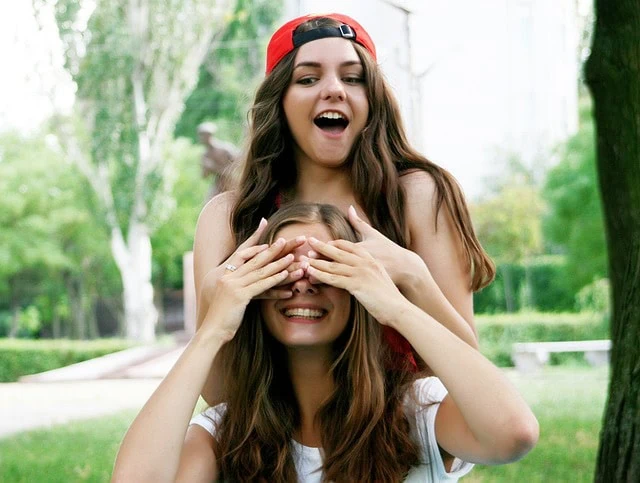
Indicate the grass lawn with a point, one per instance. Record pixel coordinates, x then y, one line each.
568 402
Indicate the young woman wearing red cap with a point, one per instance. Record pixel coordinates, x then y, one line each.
310 395
325 127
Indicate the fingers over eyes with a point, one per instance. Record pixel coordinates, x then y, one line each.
328 266
337 253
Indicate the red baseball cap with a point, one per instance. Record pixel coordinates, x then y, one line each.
283 41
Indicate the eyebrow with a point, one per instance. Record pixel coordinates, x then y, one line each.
318 64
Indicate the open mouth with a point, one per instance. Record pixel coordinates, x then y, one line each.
331 122
300 313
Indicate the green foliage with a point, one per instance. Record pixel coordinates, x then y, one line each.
50 234
509 223
232 70
22 357
497 334
573 223
595 297
542 285
175 236
29 322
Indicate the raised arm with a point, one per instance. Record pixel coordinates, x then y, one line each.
212 251
432 273
483 419
152 447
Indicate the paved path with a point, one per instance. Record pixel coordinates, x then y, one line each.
47 400
31 405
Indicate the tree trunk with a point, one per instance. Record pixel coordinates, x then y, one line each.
74 292
134 261
56 325
613 75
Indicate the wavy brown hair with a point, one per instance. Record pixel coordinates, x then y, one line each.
380 155
364 432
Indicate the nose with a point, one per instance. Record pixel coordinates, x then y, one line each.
333 89
304 287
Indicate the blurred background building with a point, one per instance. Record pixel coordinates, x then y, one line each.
478 82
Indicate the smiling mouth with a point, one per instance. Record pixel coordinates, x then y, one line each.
311 315
331 122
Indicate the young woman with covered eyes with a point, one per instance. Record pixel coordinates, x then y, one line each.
309 393
325 127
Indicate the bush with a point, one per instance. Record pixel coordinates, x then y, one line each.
549 287
595 297
497 333
22 357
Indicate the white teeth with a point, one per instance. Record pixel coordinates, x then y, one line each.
331 115
306 313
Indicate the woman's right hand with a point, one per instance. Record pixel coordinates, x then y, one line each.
261 267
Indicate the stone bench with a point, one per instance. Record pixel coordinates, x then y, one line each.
530 356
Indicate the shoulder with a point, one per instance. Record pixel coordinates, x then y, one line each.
421 215
215 217
419 187
214 239
218 206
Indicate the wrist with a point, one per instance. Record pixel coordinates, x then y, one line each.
413 273
210 340
396 312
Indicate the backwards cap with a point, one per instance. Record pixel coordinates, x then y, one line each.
283 41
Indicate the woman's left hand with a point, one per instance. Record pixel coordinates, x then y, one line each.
398 262
351 267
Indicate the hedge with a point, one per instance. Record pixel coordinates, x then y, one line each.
550 287
20 357
498 332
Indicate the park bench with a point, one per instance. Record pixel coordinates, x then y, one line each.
530 356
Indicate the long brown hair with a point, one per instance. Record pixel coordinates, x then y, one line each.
364 432
380 155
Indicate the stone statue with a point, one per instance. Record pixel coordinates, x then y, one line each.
217 159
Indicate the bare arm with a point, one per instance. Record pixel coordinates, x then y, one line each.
484 419
212 245
212 250
432 273
443 289
152 448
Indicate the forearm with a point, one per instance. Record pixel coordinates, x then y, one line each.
151 448
419 287
493 410
211 390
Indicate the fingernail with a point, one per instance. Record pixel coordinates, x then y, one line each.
313 240
304 264
312 254
263 222
280 241
353 210
301 238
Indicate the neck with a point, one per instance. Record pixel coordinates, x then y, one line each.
317 184
312 384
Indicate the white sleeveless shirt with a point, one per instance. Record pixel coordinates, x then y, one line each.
421 415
